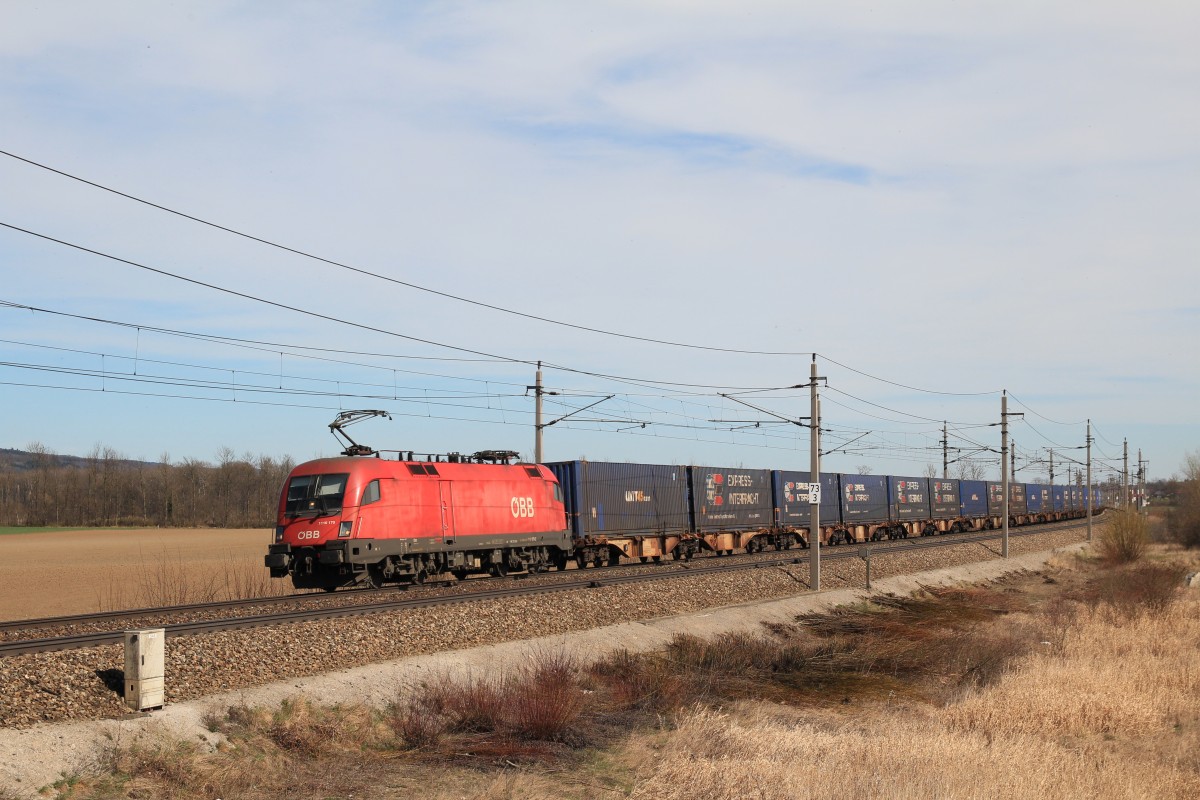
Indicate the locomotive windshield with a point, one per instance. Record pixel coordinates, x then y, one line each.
315 494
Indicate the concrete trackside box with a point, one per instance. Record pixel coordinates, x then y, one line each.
974 498
728 499
791 498
864 499
944 499
908 498
623 499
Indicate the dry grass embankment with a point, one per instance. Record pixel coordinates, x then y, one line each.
1082 682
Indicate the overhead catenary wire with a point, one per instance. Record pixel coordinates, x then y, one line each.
388 278
1043 416
359 325
904 385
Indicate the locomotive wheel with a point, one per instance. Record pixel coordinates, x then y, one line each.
372 578
560 561
328 588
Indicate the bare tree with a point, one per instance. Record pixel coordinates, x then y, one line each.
969 470
931 471
1184 519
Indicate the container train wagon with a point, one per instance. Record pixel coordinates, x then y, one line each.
368 521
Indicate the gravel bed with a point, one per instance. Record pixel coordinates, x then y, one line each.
321 600
86 684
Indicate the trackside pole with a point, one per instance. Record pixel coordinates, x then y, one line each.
814 445
1090 490
1004 468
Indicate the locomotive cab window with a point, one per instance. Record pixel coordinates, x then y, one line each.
558 495
371 493
316 494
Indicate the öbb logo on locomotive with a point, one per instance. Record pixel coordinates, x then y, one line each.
522 506
362 520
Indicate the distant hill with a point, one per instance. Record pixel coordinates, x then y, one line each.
24 461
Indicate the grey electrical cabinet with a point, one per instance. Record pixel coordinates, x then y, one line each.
145 660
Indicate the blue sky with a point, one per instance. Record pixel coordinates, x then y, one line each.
954 198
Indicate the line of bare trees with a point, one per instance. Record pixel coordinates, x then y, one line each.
105 489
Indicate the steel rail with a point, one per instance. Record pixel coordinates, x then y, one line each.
14 648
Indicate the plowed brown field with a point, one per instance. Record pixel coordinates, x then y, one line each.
74 572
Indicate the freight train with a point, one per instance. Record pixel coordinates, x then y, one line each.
367 521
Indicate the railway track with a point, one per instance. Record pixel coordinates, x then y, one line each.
592 580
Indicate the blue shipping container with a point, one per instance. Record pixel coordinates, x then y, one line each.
944 499
1058 495
1037 498
731 499
974 498
908 498
791 499
1016 498
864 499
623 499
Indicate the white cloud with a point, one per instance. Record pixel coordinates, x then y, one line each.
978 195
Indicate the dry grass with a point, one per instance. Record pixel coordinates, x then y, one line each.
170 579
541 702
893 755
1124 539
1110 709
1083 683
931 644
1116 675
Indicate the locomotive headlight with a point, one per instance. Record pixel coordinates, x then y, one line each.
344 531
279 529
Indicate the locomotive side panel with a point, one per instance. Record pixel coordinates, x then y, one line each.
497 504
397 507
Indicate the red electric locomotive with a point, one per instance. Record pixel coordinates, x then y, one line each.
367 521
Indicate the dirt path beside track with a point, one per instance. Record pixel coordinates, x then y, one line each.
76 572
